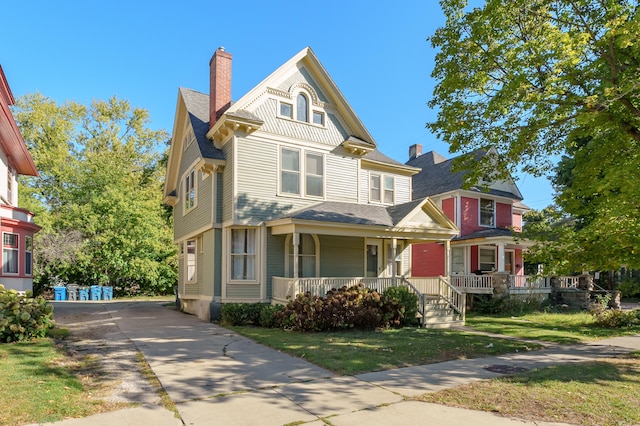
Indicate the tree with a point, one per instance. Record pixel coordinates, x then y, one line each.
536 79
100 178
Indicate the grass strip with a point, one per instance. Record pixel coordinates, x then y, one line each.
356 352
604 392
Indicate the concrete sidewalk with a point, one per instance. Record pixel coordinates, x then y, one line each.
216 376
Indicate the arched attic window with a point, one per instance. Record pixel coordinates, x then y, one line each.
302 108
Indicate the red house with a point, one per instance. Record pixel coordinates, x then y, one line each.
486 219
16 224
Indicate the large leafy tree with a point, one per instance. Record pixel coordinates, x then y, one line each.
536 79
98 196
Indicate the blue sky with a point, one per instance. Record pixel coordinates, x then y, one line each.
142 51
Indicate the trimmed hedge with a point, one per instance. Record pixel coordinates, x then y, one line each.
23 318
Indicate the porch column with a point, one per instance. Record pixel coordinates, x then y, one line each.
394 251
501 257
296 247
447 258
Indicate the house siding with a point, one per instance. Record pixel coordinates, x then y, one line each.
503 215
469 215
206 256
217 262
341 177
275 259
243 292
227 183
334 250
449 208
428 259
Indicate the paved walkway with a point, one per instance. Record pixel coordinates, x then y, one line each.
216 376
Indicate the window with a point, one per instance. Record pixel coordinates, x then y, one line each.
487 212
382 194
191 261
190 191
28 255
314 175
9 253
389 186
302 112
457 260
290 171
286 110
318 118
487 259
10 186
243 254
375 188
307 256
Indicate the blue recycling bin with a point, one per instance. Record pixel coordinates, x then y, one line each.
96 292
83 293
60 293
107 293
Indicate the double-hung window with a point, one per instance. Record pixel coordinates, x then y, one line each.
243 254
314 174
381 189
487 259
9 253
307 256
191 260
28 255
292 170
487 212
190 190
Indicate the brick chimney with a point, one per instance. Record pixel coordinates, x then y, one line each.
415 151
219 84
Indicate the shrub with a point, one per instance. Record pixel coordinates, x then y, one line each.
344 308
486 304
617 319
408 301
268 317
23 318
242 313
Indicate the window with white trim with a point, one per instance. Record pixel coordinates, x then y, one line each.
10 186
292 169
487 212
10 253
308 254
243 254
28 255
487 259
457 260
301 108
190 199
191 261
381 189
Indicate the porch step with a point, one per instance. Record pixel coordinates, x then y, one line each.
445 324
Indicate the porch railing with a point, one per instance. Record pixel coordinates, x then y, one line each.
442 289
284 289
473 283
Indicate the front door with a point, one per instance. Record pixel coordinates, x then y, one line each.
508 261
374 257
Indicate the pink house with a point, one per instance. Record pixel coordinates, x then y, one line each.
486 220
16 224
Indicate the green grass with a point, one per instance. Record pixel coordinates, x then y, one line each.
39 384
604 392
565 327
356 352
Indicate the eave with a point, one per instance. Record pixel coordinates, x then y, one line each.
396 168
230 123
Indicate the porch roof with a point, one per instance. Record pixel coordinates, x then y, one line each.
493 236
418 220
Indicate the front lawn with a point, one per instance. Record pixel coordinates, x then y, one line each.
356 352
565 327
39 383
603 392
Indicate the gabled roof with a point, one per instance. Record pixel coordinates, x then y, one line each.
418 219
305 58
437 177
197 105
